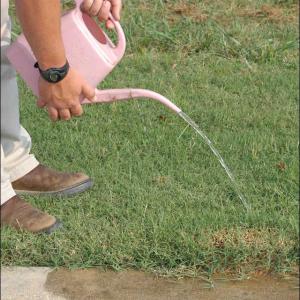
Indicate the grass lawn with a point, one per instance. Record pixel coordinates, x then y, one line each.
161 201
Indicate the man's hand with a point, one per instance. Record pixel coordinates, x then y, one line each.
101 10
62 99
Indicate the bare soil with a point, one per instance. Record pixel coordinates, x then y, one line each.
96 284
272 13
265 13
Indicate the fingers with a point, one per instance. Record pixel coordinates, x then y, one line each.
53 113
76 111
102 8
96 8
99 8
86 5
116 6
104 12
88 92
64 114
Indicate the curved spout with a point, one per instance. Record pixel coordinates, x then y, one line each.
108 96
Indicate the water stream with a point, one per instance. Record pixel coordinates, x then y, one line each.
217 154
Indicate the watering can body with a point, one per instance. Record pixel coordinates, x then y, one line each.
88 49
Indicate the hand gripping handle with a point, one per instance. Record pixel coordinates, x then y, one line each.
119 49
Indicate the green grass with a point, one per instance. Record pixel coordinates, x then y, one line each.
160 201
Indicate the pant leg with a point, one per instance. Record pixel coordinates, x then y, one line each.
5 23
6 189
16 160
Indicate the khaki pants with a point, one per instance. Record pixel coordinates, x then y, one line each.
16 160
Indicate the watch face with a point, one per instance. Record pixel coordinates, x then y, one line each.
54 77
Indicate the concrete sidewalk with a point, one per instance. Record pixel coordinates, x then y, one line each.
19 283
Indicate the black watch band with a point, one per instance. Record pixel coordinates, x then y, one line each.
54 75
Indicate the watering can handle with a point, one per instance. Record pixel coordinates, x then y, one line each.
119 49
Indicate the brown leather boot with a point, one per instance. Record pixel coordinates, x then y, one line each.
45 181
22 216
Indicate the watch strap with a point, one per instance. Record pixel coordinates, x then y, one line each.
54 75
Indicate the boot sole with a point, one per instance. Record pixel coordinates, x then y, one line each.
79 188
57 225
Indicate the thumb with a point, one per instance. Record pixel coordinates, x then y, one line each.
88 92
41 103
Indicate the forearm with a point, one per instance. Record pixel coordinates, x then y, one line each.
40 21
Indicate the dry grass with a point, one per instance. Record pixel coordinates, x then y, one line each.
186 10
258 238
271 13
266 13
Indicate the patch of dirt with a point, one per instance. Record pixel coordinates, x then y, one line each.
97 284
188 10
160 180
260 239
281 166
225 13
269 13
272 13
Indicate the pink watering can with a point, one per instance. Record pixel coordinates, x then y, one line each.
90 51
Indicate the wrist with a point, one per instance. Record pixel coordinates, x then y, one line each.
53 74
45 65
54 60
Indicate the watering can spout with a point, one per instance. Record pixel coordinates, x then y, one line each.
113 95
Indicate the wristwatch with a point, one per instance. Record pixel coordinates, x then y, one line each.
54 75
